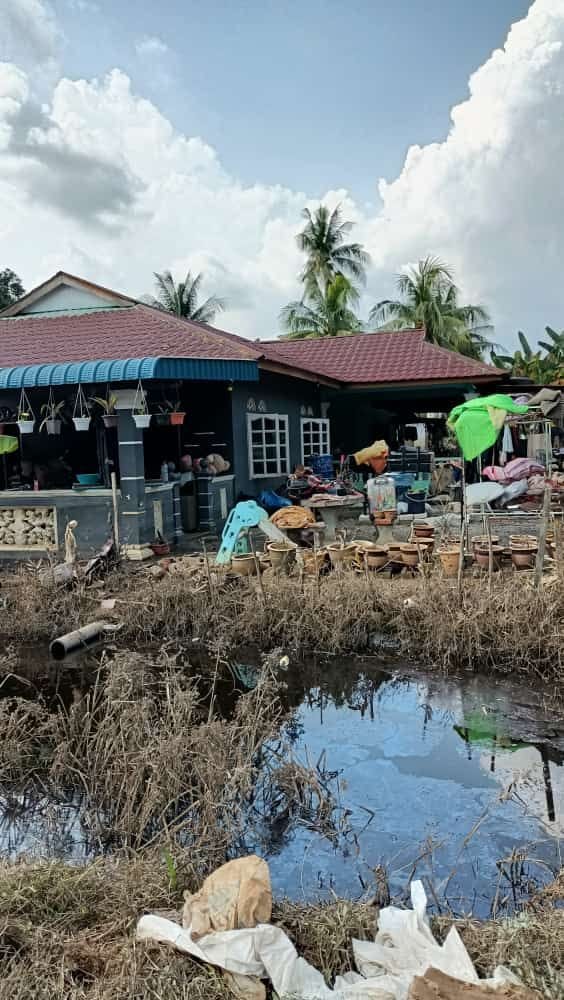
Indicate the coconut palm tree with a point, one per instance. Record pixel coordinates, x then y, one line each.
181 298
326 313
323 241
429 299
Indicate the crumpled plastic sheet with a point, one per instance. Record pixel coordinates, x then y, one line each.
404 947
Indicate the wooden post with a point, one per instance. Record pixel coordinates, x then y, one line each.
490 552
113 481
542 535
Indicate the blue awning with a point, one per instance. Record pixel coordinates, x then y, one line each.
129 370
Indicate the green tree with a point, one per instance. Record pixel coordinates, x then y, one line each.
428 298
181 298
327 254
11 288
326 313
539 367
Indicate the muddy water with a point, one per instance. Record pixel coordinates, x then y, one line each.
443 779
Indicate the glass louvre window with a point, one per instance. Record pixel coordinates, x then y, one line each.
267 437
315 438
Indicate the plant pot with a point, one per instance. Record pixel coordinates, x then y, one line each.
282 555
482 556
481 541
409 554
26 426
53 426
314 561
160 548
336 554
162 419
176 419
450 559
394 552
376 557
385 517
81 423
524 556
425 546
423 530
142 420
518 541
110 420
244 565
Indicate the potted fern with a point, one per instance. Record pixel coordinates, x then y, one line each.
108 405
25 416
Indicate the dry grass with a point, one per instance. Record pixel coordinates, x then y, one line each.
512 628
68 932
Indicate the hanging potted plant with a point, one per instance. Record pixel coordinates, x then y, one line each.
108 405
141 414
162 418
26 417
81 412
176 415
52 414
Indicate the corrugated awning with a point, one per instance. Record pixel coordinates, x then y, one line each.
129 370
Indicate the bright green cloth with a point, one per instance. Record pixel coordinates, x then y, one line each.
473 425
8 444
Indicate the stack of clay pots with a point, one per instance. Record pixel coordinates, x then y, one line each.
524 550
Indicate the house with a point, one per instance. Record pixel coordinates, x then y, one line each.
262 406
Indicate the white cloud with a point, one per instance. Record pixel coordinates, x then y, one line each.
150 45
131 195
29 30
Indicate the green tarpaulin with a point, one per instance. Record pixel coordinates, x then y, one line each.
478 422
8 444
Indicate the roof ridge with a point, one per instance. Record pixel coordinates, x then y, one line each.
206 328
448 351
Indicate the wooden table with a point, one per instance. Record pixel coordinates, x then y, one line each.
330 509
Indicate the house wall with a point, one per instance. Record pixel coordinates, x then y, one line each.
66 298
280 395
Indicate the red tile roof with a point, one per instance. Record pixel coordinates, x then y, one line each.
401 356
137 331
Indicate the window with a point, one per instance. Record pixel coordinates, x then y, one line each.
315 438
267 438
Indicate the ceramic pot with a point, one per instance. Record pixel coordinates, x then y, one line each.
450 559
409 554
376 557
482 556
244 565
282 555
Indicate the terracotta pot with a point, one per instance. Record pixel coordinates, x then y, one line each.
160 548
423 530
425 545
363 543
281 555
244 565
481 541
524 556
409 554
176 419
341 555
376 557
385 517
518 541
394 552
482 556
450 559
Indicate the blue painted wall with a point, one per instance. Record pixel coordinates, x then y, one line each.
280 395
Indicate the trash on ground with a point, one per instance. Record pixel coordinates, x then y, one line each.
403 950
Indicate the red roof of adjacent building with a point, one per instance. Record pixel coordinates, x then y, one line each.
399 356
131 332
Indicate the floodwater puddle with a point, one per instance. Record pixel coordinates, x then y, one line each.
458 781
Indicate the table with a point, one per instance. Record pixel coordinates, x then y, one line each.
329 511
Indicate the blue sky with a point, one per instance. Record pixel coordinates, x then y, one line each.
141 137
316 95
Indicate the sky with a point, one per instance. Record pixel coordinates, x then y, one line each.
193 135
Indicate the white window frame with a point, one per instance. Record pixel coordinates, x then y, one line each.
282 424
324 429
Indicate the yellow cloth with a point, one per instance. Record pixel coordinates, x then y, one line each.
377 450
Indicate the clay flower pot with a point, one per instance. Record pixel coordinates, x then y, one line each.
282 555
376 557
244 565
176 419
482 556
409 554
423 530
450 559
394 552
425 546
481 541
523 555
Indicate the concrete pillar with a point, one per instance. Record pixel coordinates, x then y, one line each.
132 480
